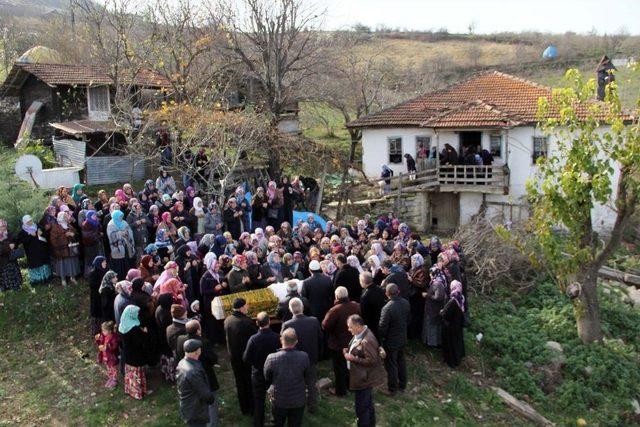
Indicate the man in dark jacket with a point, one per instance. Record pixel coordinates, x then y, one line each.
394 321
347 276
208 355
318 289
338 336
371 302
260 345
310 341
193 388
238 328
288 373
177 327
397 275
283 313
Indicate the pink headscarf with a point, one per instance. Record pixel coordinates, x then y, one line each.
133 273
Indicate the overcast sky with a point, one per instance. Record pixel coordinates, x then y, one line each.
558 16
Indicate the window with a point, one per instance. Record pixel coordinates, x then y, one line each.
423 143
495 145
395 150
98 103
539 147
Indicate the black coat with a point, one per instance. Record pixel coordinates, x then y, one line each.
452 334
95 301
309 335
318 289
135 347
208 356
349 277
36 250
394 321
283 313
194 392
401 279
231 223
371 303
239 328
107 297
173 332
260 345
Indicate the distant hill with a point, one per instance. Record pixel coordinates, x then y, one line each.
32 7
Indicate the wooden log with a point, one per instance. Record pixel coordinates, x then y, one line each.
620 276
522 408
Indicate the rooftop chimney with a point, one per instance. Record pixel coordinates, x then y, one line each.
605 75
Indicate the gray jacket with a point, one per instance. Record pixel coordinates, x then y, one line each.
193 391
394 321
121 241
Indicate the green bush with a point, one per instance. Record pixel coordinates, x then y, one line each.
18 197
38 149
598 381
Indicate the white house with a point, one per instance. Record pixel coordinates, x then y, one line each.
491 111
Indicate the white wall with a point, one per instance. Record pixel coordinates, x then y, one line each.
517 152
375 148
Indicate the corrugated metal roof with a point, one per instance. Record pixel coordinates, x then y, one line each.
82 127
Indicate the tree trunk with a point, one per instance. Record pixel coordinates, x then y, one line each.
345 176
587 308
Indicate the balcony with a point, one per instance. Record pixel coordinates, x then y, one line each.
458 178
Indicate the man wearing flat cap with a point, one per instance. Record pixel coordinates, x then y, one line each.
193 388
238 328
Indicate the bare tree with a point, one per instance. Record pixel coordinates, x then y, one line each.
275 44
180 46
14 40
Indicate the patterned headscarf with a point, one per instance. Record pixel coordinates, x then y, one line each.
106 281
456 293
353 261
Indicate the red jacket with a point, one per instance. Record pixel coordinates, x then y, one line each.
109 356
335 323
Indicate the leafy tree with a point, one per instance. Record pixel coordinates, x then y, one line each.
596 160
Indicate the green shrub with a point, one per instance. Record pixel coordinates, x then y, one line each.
18 197
38 149
515 332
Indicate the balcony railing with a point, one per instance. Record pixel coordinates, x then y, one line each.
457 178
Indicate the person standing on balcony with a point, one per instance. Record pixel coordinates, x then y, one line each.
386 174
411 166
422 154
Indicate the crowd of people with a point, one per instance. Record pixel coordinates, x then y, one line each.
155 259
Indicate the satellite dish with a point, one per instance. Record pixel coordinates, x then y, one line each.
29 168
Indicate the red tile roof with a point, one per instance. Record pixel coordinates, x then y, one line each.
81 75
489 99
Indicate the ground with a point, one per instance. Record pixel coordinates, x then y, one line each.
48 376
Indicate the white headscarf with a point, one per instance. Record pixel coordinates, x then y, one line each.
353 261
373 259
196 202
62 220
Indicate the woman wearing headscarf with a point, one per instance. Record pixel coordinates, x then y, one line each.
328 268
171 270
64 197
64 249
153 221
98 270
144 302
198 213
148 270
138 222
188 272
418 277
254 268
150 191
181 216
213 220
165 204
122 245
92 244
77 194
47 221
177 291
168 225
85 206
452 329
10 276
376 270
238 277
435 297
386 175
184 236
400 256
102 205
135 340
435 248
107 291
275 201
212 285
274 270
122 299
232 217
165 183
259 206
163 320
37 251
163 245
